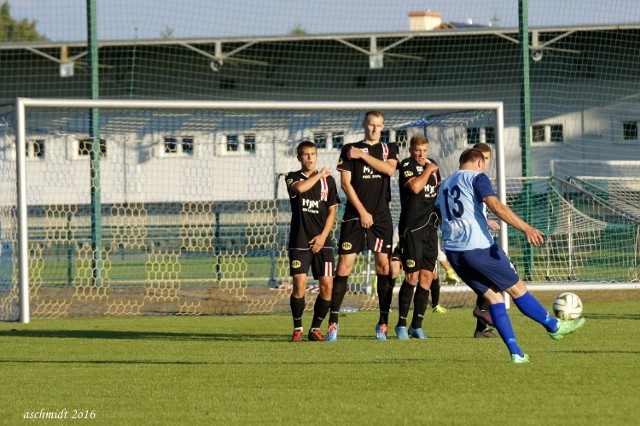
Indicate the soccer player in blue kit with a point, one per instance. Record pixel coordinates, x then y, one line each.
480 262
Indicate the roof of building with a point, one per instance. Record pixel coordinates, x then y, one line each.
451 29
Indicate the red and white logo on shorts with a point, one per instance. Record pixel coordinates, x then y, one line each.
378 246
328 269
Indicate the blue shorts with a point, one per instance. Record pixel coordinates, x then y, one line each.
482 269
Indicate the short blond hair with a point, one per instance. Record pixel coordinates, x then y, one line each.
373 113
418 140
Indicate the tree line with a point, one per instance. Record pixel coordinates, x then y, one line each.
17 30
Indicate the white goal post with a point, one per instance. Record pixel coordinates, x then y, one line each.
23 105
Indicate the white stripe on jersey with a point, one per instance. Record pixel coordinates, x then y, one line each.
385 152
324 189
434 174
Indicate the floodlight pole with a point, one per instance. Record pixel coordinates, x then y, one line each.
525 125
95 153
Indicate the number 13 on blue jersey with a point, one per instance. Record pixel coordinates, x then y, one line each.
452 204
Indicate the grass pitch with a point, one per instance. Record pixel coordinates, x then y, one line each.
243 370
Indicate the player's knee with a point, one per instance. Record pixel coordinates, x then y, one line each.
343 269
382 269
346 261
326 285
411 278
493 296
299 285
517 290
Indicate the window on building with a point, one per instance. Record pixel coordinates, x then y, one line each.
232 143
556 133
481 135
241 143
338 140
473 135
402 138
250 143
187 145
170 145
84 147
537 133
320 139
490 134
546 133
385 136
35 148
630 131
178 145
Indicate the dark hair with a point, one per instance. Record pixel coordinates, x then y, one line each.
418 140
471 154
483 147
304 144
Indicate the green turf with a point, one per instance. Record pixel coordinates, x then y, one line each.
242 370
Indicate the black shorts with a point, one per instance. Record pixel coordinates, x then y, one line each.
321 263
420 249
396 254
356 239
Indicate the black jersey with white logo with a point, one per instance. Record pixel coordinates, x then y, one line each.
416 209
309 210
372 187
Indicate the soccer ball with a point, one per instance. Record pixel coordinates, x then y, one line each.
567 306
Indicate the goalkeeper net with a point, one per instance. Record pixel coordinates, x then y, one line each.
589 237
149 207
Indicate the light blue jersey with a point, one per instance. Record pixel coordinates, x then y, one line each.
464 217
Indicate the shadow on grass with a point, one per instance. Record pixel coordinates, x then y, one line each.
279 362
613 316
135 335
604 351
173 336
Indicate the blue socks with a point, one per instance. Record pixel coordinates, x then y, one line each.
502 323
531 307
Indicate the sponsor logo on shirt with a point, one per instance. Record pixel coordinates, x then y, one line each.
370 173
310 206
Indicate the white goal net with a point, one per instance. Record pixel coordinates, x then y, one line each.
150 207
